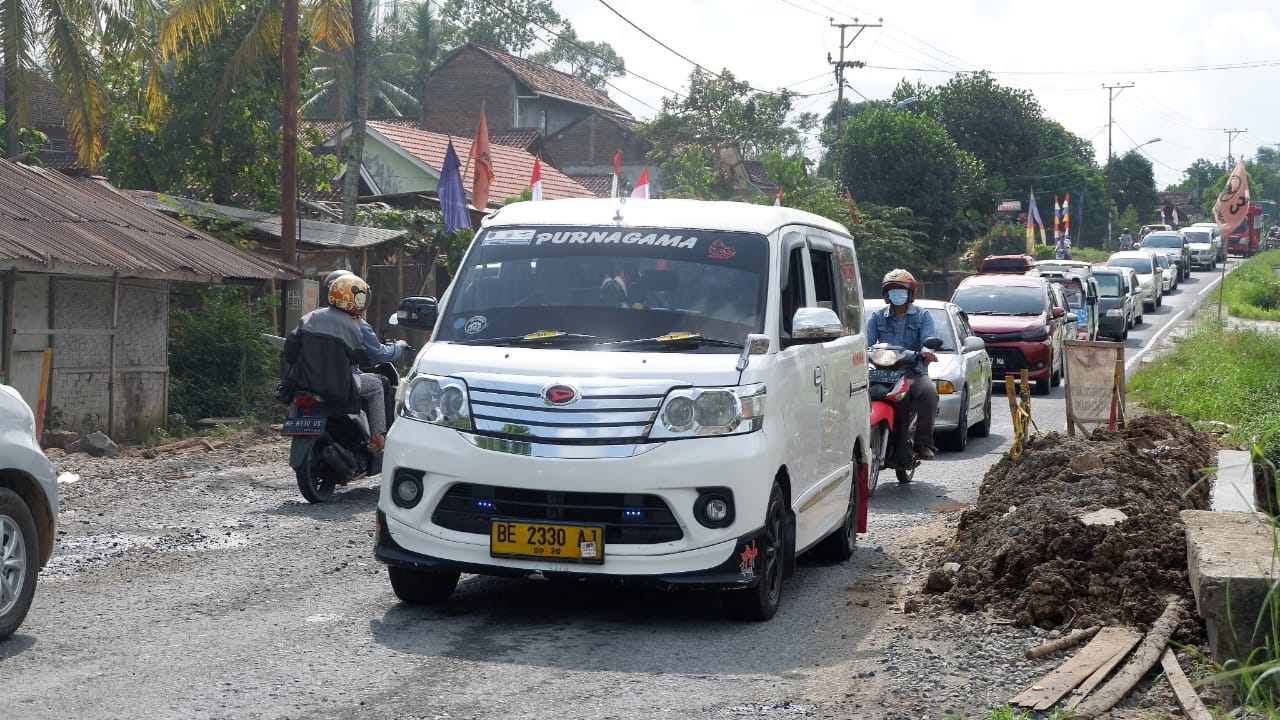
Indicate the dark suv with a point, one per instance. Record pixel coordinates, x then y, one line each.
1016 317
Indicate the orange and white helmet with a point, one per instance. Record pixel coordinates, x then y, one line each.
350 293
899 278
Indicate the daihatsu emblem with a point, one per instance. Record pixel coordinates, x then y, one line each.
560 394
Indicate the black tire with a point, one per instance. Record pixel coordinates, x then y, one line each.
907 474
956 440
842 541
422 587
876 462
761 602
19 561
314 480
983 429
1055 377
1041 387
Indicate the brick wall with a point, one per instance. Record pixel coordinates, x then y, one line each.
454 94
588 147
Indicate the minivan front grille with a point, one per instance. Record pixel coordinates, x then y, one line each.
628 518
602 414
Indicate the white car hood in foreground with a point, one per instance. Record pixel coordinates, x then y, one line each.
705 369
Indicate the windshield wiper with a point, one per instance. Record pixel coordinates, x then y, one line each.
541 337
673 339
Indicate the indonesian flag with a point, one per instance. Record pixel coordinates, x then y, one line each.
852 209
1175 214
641 190
484 165
617 171
1066 215
535 182
777 199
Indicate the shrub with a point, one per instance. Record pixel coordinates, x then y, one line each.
219 365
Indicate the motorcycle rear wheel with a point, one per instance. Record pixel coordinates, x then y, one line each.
314 480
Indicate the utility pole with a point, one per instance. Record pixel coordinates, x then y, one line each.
1231 135
289 132
841 64
1112 92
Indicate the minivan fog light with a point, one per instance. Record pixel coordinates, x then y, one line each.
714 507
406 488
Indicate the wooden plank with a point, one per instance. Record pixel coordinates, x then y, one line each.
1187 697
1061 680
1105 669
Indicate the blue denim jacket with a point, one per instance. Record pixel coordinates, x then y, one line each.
376 350
908 331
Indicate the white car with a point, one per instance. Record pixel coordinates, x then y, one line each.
962 376
28 509
1168 274
1144 263
1204 254
1215 238
699 425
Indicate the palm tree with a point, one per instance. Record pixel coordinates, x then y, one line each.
65 35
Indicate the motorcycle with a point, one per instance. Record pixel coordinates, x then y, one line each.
888 367
330 448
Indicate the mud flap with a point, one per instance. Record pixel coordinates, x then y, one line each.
863 491
302 444
789 554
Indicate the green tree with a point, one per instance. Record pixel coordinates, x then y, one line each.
908 160
1000 126
509 26
1197 179
592 62
1065 165
1133 183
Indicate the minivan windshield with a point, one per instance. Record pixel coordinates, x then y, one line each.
1197 236
978 299
1109 285
1142 266
592 288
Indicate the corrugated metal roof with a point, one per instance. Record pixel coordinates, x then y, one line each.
315 233
58 223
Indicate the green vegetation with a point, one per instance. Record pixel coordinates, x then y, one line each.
1229 375
1004 712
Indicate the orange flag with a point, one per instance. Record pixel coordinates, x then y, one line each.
484 165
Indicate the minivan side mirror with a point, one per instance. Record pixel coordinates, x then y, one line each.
815 324
973 343
1059 312
933 343
418 313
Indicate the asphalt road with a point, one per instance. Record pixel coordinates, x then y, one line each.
211 590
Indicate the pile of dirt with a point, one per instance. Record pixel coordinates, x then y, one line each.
1036 549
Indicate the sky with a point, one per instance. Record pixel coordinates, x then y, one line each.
1195 68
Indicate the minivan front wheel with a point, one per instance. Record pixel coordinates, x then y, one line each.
19 561
761 601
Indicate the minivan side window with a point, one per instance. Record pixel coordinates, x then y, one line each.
848 275
824 281
793 295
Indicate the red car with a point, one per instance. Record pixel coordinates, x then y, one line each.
1016 316
1005 264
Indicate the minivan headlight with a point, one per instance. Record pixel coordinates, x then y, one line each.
1036 334
694 412
437 400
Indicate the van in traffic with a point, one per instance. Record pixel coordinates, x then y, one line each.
670 393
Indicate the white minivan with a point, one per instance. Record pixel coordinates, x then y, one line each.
666 392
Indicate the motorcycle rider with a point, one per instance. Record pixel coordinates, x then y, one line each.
375 350
901 323
325 344
1126 240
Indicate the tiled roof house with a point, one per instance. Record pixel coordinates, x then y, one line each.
583 128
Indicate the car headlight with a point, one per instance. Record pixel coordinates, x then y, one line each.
1035 334
693 412
435 399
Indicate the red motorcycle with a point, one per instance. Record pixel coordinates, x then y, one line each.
891 446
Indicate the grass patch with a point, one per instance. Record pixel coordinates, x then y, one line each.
1252 291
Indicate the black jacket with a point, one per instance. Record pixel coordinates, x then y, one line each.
321 351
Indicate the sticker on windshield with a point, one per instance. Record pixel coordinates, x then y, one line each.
475 324
718 250
522 236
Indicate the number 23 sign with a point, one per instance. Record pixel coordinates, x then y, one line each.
1233 202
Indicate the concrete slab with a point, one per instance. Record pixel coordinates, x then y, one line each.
1233 487
1233 561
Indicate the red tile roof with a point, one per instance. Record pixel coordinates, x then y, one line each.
512 167
598 185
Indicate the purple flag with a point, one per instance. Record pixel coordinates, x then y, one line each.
453 199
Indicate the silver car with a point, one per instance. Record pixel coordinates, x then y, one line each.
962 376
28 509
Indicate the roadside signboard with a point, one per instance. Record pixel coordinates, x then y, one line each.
1094 385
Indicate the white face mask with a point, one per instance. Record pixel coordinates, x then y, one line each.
898 296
